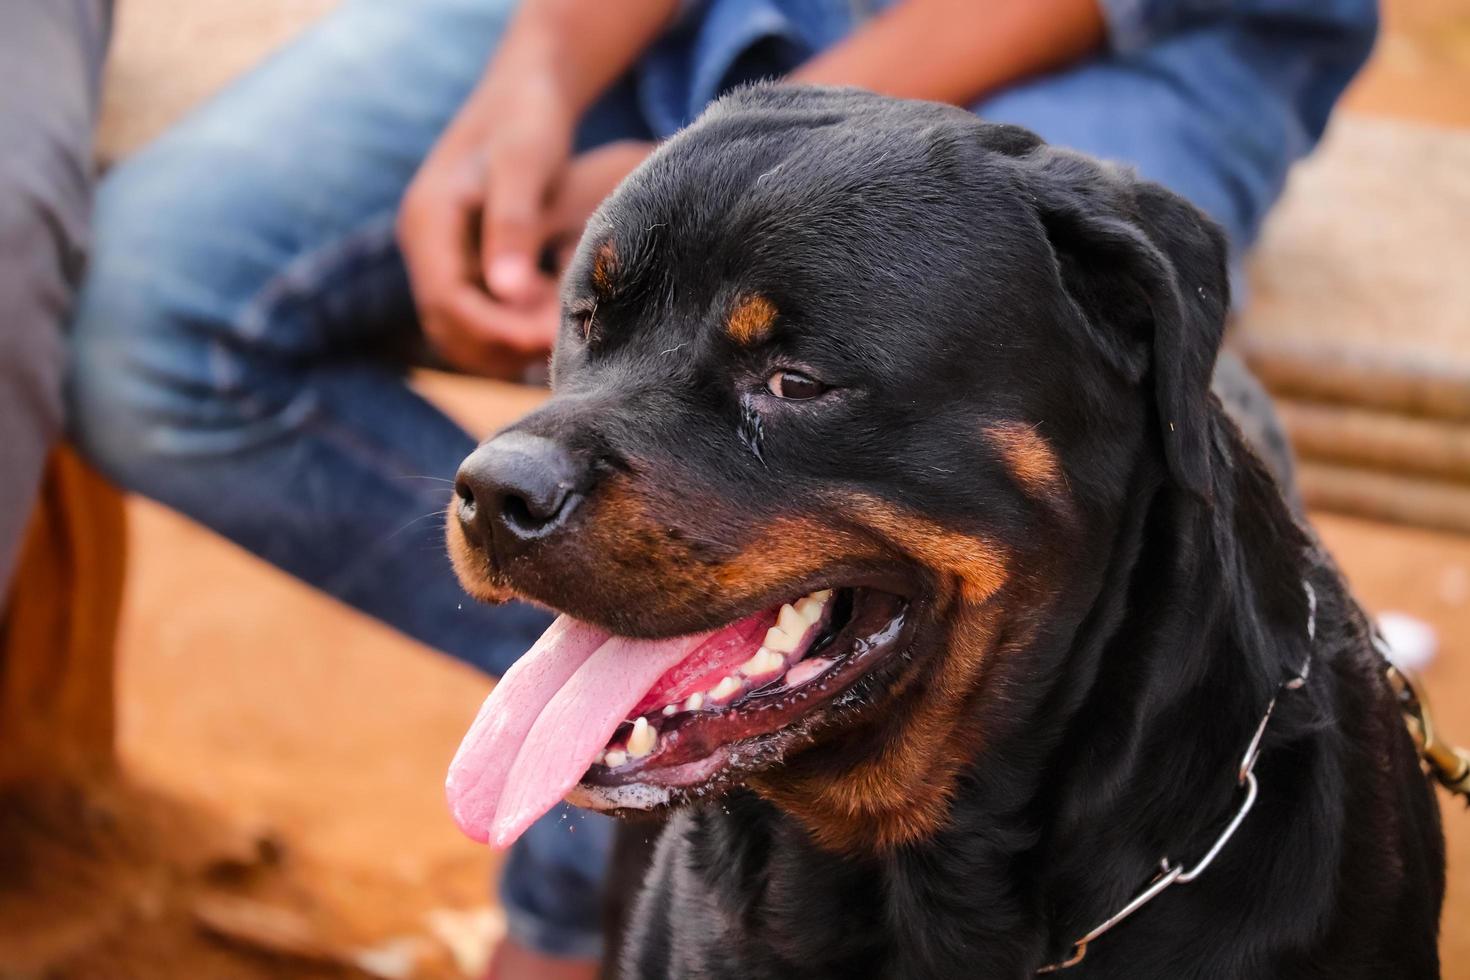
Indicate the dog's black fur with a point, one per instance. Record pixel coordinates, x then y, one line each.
945 276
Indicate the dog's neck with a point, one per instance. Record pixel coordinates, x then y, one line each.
1201 618
1161 675
1158 678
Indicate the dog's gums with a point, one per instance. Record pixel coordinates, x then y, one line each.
748 717
615 723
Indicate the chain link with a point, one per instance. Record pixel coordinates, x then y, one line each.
1171 874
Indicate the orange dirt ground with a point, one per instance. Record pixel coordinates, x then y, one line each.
308 744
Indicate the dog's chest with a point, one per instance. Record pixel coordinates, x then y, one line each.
729 899
719 902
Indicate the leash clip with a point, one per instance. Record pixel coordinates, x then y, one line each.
1450 766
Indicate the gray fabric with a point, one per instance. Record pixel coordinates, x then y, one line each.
51 55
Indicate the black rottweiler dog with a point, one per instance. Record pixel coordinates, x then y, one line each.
911 569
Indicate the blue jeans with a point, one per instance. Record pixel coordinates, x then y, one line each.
240 337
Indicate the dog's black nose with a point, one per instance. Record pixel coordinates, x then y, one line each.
515 488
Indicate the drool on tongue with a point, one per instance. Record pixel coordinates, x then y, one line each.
554 711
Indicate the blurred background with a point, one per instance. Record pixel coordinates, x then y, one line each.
282 812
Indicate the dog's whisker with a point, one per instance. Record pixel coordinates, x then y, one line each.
438 513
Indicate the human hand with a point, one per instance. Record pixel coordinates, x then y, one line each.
474 220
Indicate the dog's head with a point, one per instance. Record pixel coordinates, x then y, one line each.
850 391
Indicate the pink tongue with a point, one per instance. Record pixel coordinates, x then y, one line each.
481 766
545 722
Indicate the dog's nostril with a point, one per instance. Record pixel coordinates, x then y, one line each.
531 510
465 494
518 513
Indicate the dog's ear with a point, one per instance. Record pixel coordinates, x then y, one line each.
1146 272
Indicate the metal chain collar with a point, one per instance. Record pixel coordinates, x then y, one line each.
1171 873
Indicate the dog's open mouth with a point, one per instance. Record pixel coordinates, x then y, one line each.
616 723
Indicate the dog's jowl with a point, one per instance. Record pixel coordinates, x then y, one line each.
911 571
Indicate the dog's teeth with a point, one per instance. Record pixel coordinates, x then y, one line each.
792 623
615 758
809 609
765 663
694 701
782 642
643 738
821 596
600 759
725 689
670 710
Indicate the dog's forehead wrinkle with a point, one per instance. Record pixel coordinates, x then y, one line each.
789 168
892 259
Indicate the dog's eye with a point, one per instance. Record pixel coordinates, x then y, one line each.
794 385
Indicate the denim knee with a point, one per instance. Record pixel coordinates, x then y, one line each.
124 298
144 376
187 328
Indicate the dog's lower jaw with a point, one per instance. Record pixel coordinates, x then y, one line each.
889 781
897 794
840 818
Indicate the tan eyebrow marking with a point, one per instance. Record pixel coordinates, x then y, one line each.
751 319
1028 456
604 267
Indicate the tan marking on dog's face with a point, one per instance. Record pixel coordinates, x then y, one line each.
979 564
751 319
1028 457
888 781
605 268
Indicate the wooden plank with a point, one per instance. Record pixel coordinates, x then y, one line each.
1408 384
1385 496
1359 437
